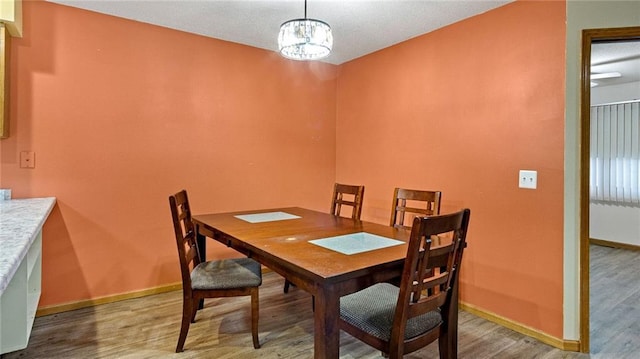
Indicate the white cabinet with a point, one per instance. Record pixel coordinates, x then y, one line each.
21 223
19 302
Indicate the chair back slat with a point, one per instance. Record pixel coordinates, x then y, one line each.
191 256
431 272
184 230
354 199
434 280
431 303
413 202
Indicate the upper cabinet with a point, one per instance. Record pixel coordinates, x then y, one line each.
11 16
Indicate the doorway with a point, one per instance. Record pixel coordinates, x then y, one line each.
588 38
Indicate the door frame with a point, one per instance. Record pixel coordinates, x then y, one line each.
590 36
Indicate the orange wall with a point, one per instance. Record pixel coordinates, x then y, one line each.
122 114
462 110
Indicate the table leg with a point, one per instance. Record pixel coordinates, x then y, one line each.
201 241
326 327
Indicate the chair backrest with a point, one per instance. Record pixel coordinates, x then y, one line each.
185 236
354 199
429 272
407 200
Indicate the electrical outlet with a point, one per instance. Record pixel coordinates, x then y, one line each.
27 159
528 179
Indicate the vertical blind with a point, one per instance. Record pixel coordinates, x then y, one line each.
615 153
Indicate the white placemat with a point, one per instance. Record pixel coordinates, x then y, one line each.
355 243
266 217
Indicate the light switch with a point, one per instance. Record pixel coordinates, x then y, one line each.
528 179
27 159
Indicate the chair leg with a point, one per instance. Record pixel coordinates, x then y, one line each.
187 315
444 346
194 309
255 306
286 286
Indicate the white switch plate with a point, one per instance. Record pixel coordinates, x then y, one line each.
528 179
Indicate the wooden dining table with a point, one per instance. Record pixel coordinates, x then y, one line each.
293 242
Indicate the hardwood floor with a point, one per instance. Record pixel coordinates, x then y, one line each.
148 327
615 302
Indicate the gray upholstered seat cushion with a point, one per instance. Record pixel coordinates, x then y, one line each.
227 273
372 310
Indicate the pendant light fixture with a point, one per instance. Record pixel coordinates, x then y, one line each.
305 39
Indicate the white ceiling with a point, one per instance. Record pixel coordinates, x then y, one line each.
359 27
619 56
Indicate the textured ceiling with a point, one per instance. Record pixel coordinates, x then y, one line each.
619 56
359 27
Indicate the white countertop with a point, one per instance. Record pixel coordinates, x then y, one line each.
20 221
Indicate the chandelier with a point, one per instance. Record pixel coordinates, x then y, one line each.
305 39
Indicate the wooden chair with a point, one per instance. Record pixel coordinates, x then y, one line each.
337 201
211 279
400 320
400 206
